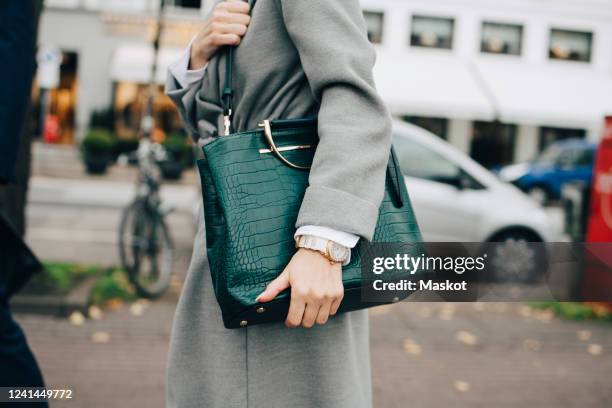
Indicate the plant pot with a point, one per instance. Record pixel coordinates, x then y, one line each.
171 169
96 164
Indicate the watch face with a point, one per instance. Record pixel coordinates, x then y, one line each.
337 252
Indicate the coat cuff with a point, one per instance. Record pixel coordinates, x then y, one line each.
179 69
339 210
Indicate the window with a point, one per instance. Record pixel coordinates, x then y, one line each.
549 135
570 45
194 4
432 32
493 143
418 161
568 156
500 38
375 22
437 126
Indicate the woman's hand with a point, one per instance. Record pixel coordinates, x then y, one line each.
226 26
316 288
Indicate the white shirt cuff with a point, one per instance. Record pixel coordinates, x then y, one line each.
340 237
181 72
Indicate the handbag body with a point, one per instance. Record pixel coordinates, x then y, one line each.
253 184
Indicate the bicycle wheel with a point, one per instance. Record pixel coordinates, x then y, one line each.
146 249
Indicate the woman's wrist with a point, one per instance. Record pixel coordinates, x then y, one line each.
198 57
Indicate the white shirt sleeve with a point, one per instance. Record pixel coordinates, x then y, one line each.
181 72
340 237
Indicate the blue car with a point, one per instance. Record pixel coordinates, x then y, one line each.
562 162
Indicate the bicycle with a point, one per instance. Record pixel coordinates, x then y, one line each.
145 245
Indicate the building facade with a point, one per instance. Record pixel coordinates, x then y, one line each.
107 59
498 79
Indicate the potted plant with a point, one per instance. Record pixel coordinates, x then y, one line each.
98 148
178 149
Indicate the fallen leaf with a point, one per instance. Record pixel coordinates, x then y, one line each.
411 347
466 338
544 315
114 304
137 309
584 335
461 386
595 349
95 313
100 337
76 318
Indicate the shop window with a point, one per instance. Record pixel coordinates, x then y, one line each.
500 38
432 32
570 45
493 143
549 135
54 109
437 126
130 101
375 22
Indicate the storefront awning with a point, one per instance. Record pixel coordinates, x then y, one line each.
562 95
132 63
433 85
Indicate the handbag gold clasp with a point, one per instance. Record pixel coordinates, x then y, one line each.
267 130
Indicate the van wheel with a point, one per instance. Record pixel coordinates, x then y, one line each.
516 259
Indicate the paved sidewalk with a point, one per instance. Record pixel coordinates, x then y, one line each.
423 355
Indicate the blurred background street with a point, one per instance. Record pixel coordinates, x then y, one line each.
503 131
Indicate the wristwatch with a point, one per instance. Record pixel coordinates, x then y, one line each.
331 250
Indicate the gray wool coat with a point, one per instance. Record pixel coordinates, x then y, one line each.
299 58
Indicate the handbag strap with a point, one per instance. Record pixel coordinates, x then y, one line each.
227 96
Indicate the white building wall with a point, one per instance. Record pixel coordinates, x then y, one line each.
537 18
83 33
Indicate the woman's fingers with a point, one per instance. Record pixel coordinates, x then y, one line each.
227 28
324 311
335 305
234 6
274 288
310 314
296 312
219 40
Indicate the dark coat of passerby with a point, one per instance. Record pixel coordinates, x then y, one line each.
18 22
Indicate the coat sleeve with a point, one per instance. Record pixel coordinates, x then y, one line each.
347 178
198 115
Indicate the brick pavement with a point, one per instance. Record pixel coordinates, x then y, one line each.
424 355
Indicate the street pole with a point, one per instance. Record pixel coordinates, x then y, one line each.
148 121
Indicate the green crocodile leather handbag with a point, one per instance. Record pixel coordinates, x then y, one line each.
253 184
